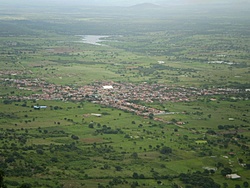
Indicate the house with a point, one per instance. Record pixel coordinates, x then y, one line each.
180 123
97 115
233 176
39 107
107 87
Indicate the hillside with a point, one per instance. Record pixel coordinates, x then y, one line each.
145 6
140 96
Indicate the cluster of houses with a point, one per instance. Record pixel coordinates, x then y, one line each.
125 96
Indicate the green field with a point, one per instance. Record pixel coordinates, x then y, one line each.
78 141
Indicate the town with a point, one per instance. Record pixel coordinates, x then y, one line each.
123 96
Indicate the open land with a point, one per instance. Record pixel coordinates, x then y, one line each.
162 102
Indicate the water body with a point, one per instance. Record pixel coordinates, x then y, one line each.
94 39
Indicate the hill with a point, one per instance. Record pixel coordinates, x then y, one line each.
145 6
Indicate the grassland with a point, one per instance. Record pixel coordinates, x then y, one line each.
65 146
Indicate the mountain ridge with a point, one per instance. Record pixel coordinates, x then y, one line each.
145 6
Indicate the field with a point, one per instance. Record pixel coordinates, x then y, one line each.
178 115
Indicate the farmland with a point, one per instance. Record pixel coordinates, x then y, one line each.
177 114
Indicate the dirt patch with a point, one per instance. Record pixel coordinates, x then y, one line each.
149 155
92 140
70 184
60 50
233 131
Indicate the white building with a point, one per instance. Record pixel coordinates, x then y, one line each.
233 176
107 87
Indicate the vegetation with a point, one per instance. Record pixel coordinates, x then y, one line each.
63 140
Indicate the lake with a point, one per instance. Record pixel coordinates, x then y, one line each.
93 39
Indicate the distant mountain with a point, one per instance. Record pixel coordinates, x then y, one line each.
145 6
201 2
146 3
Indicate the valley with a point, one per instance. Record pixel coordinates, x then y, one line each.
151 97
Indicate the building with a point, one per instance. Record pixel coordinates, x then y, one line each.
107 87
97 115
233 176
39 107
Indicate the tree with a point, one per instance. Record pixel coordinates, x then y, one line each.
141 176
25 185
174 185
91 125
126 136
226 171
212 171
165 150
219 164
118 168
151 116
220 127
185 137
225 185
39 151
240 160
101 186
246 184
197 179
212 132
106 166
135 175
134 155
7 101
248 166
74 137
2 185
10 159
134 184
54 159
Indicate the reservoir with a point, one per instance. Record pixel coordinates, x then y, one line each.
93 39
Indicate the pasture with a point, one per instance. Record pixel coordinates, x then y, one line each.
65 145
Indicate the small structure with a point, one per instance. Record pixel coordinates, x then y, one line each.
233 176
210 168
97 115
180 123
201 142
231 119
107 87
39 107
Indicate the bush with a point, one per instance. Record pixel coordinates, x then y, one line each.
12 183
74 137
165 150
25 185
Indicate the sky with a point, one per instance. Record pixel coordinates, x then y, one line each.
116 2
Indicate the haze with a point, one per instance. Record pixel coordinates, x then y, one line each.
121 2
